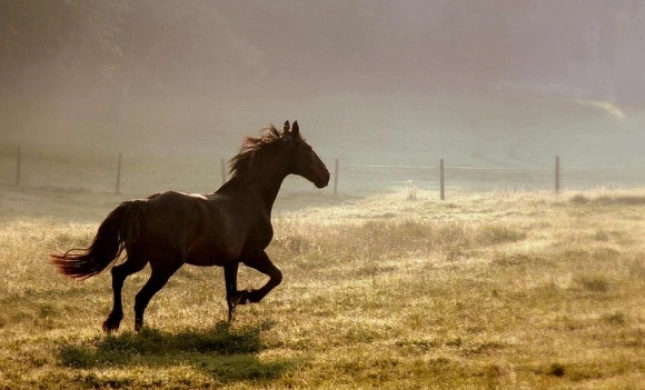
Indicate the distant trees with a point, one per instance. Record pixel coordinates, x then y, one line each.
581 44
587 46
55 40
196 46
171 44
66 45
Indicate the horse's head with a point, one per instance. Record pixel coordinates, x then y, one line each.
306 162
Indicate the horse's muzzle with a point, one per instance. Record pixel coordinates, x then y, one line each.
323 179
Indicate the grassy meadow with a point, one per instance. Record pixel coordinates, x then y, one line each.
385 287
502 290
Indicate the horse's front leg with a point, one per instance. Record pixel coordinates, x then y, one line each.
262 263
232 295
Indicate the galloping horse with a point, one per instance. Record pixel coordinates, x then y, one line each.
224 228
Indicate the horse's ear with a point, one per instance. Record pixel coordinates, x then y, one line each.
295 130
286 126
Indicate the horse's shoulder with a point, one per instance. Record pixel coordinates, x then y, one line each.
175 196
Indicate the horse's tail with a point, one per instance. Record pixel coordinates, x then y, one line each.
118 230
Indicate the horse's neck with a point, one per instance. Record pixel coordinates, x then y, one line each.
263 187
262 178
267 190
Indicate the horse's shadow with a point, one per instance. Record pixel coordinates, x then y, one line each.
226 353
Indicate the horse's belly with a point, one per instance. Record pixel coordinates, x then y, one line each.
206 254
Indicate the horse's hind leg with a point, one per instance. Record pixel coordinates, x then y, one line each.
161 272
119 274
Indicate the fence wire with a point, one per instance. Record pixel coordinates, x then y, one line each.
140 175
371 177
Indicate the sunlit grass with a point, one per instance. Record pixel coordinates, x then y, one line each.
505 290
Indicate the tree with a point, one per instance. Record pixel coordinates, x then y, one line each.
71 45
170 42
57 41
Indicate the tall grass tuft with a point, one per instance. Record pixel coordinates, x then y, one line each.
596 283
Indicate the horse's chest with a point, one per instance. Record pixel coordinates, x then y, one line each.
261 236
258 242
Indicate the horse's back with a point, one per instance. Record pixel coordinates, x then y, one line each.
170 220
198 228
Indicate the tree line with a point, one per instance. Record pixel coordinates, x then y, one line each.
119 47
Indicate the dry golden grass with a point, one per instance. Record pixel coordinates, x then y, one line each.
499 290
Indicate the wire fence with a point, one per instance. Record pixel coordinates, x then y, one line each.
140 175
446 179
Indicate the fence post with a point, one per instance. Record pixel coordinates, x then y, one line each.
222 170
336 178
442 180
557 174
18 166
118 175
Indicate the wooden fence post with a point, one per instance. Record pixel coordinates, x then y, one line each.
18 166
222 164
118 175
336 178
442 180
557 174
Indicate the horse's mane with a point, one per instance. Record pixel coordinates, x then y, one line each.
269 135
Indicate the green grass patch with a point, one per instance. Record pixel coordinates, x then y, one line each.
505 292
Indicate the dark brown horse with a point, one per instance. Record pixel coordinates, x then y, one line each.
224 228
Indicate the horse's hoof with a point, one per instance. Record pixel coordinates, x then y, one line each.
110 325
244 297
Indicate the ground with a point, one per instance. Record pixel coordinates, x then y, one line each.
496 290
503 285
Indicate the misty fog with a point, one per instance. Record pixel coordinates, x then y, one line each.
483 83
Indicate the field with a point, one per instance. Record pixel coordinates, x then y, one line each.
502 290
385 286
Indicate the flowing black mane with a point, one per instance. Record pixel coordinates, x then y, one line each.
269 135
